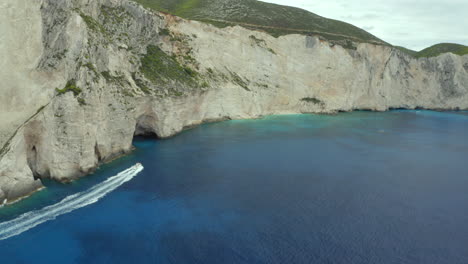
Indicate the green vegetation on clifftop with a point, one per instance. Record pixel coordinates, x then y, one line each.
279 20
275 19
438 49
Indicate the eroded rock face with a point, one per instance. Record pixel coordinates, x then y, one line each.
22 86
95 73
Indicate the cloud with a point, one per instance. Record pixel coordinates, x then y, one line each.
414 24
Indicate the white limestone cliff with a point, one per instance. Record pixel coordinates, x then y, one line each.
239 73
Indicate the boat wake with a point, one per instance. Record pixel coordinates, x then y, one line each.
70 203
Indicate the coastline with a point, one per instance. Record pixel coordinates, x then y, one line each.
188 128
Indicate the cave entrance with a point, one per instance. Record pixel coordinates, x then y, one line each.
32 162
146 127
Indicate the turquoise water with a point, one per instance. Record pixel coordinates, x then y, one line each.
358 187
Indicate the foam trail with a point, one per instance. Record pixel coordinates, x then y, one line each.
70 203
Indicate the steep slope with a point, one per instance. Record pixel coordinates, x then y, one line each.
105 71
407 51
275 19
22 86
282 20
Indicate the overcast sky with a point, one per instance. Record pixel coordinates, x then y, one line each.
415 24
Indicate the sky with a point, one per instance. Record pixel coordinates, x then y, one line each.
414 24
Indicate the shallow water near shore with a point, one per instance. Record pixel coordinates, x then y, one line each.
359 187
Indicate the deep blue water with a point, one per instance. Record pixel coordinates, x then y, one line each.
357 187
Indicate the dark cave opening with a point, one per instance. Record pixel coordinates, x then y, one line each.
32 162
97 152
146 127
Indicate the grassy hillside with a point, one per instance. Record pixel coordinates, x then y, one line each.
275 19
438 49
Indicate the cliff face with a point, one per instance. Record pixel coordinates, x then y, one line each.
80 78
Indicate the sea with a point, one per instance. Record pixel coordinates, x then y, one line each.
359 187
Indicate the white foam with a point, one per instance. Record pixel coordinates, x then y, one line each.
70 203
